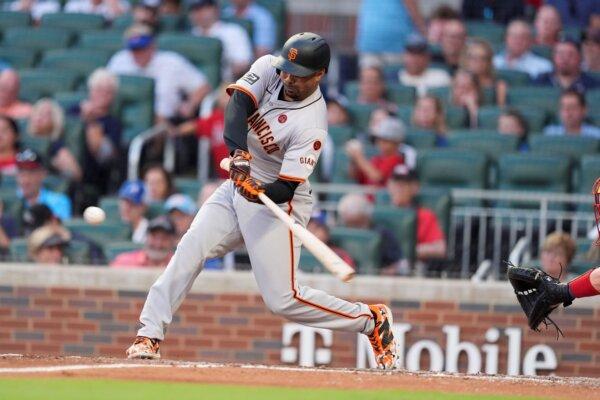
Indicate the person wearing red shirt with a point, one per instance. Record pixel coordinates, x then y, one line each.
403 186
9 134
389 134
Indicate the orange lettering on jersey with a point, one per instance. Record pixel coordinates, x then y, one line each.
262 130
293 53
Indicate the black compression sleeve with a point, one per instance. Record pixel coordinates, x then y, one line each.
239 108
280 191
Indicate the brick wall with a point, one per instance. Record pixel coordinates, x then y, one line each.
238 327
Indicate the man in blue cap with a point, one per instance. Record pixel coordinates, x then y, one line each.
182 210
132 209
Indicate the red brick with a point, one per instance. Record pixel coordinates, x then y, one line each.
459 319
82 326
200 319
589 346
113 351
267 322
50 325
6 312
421 316
217 308
438 305
45 348
63 337
128 316
31 291
62 291
196 342
47 302
492 319
188 308
99 293
234 344
63 314
12 348
216 330
13 323
5 335
248 332
234 298
115 305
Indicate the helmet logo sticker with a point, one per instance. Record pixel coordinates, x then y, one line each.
292 54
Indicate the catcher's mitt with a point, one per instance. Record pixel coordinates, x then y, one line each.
539 294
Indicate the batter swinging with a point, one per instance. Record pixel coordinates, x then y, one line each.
275 128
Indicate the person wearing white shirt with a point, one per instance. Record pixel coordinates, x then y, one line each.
109 9
416 70
172 73
263 24
36 8
237 48
517 54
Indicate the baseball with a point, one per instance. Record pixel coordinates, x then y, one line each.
94 215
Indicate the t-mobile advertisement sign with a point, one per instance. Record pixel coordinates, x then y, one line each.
442 356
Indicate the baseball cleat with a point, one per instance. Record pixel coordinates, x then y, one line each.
382 338
144 348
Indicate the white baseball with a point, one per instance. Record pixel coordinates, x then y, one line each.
94 215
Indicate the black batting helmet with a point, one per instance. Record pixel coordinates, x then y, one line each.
303 54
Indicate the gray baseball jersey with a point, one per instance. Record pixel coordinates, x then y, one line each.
285 140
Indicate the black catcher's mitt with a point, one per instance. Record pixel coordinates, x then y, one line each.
539 294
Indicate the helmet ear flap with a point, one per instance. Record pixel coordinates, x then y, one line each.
596 193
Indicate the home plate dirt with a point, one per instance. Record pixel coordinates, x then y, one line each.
15 365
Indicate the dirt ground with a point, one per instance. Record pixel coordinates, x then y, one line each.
257 375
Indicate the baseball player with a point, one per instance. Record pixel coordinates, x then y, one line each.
275 128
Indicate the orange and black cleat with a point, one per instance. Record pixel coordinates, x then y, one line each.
382 338
144 348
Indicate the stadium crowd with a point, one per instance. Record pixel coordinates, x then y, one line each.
72 99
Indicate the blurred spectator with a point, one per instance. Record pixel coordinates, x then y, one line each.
403 188
172 73
159 246
109 9
132 209
382 28
389 134
182 210
572 114
8 230
102 132
557 253
36 8
47 121
547 25
517 53
437 21
477 59
158 184
146 12
512 122
466 92
46 245
452 44
355 211
567 74
9 96
40 215
501 12
428 114
237 48
263 24
321 231
170 7
591 50
211 127
207 190
30 176
9 136
337 114
416 71
575 12
371 88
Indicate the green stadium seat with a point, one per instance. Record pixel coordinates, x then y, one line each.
488 117
110 205
363 245
56 183
17 58
12 205
108 40
404 113
438 200
456 117
244 23
121 23
569 146
43 82
14 19
73 22
536 117
107 231
361 113
8 181
78 252
340 134
200 51
491 32
542 51
167 23
112 249
38 39
513 77
136 94
38 144
69 99
309 263
420 139
401 221
155 209
18 250
442 93
545 98
81 61
74 137
401 94
189 186
535 173
448 168
490 143
589 167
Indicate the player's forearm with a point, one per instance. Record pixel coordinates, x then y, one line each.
280 191
239 108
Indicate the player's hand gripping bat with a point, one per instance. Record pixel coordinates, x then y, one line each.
320 250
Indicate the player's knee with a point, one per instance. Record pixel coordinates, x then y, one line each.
280 305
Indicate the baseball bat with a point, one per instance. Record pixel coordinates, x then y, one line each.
320 250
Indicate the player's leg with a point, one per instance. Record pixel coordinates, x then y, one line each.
213 233
274 255
586 285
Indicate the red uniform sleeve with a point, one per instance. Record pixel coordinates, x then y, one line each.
428 227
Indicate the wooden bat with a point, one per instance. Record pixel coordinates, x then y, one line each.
320 250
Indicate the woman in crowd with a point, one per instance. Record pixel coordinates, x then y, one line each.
466 93
158 183
477 59
9 136
428 114
47 121
511 122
